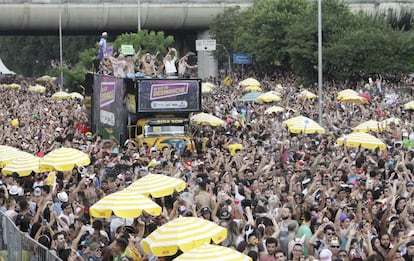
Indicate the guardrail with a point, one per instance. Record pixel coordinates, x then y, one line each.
16 245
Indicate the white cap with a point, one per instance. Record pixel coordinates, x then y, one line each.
104 34
325 255
63 197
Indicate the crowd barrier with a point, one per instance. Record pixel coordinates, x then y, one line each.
16 245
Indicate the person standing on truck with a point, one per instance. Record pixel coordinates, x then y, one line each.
169 62
102 45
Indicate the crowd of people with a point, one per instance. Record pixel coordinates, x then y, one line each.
138 65
281 196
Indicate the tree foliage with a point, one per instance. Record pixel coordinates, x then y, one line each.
285 32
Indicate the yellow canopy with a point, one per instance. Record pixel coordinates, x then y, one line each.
23 166
249 82
302 124
362 139
307 94
346 92
64 159
61 95
409 105
269 97
274 109
37 88
370 125
9 155
207 119
183 233
124 204
157 185
212 253
252 89
76 95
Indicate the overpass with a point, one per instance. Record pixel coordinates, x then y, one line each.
34 16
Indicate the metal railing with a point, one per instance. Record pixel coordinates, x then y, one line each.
16 245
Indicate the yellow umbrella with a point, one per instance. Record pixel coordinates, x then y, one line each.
212 253
157 185
37 88
307 94
387 122
346 92
9 155
249 82
370 125
46 78
6 148
353 99
409 105
269 97
362 139
64 159
301 124
274 109
183 233
207 119
61 95
252 89
11 86
23 166
207 87
76 95
124 204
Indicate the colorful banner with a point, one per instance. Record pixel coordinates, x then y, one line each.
169 95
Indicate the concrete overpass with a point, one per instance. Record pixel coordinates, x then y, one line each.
35 16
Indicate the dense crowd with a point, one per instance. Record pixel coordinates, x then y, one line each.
281 196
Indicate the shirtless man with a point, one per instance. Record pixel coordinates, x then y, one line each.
183 65
148 65
203 198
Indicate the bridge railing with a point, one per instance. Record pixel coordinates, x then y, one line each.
119 1
16 245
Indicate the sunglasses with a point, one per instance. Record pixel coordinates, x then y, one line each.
335 246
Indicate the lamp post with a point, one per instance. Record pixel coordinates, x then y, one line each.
139 15
320 61
60 45
228 56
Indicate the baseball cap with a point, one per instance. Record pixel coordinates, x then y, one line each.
94 246
104 34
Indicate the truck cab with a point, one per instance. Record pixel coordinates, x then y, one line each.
163 132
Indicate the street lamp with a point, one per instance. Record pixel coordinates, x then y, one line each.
320 61
60 45
228 56
139 14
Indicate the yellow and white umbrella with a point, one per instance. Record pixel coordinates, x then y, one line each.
371 125
124 204
269 97
64 159
362 139
207 119
249 82
157 185
23 166
46 78
61 95
184 233
6 148
13 86
274 109
409 105
346 92
252 89
37 88
207 87
76 95
302 124
388 121
9 155
307 94
212 253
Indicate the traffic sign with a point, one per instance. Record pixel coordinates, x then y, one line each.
242 58
205 45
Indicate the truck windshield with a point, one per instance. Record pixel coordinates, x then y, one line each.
165 130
